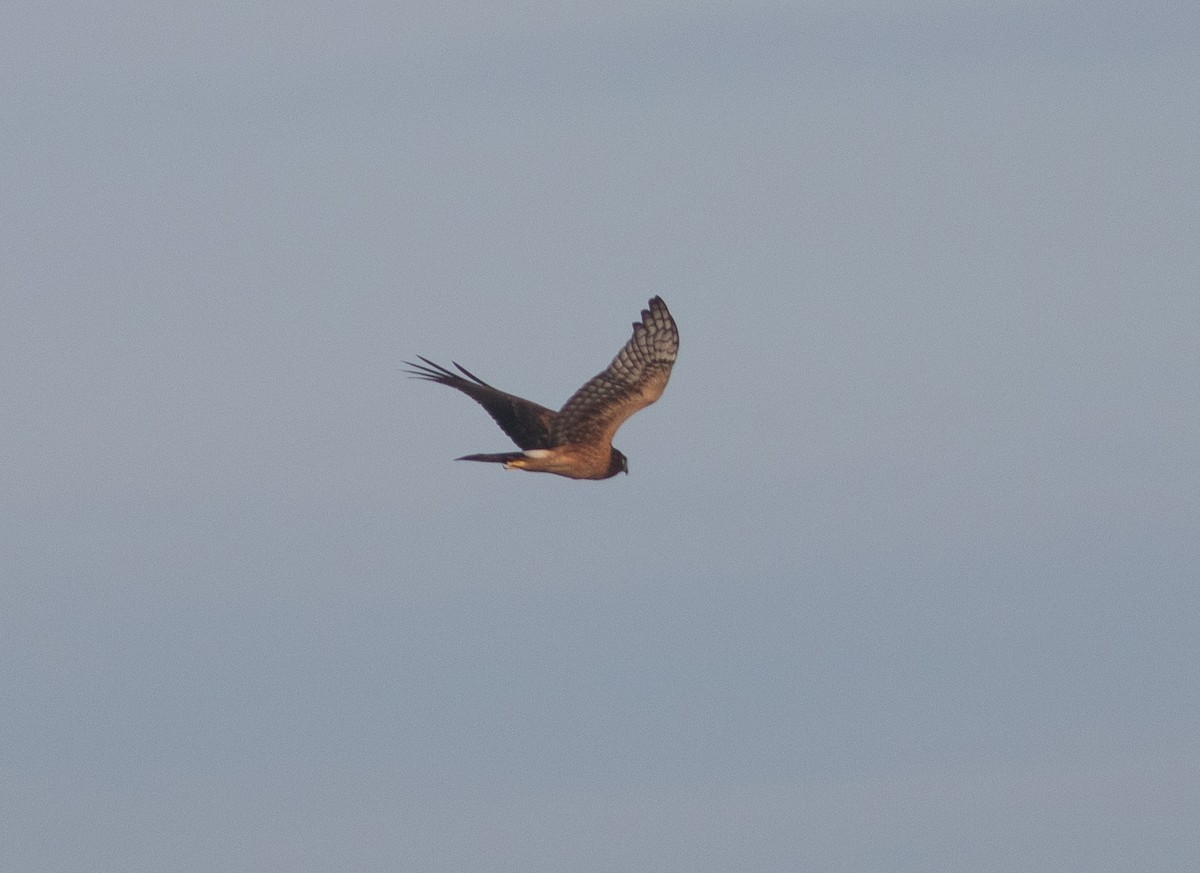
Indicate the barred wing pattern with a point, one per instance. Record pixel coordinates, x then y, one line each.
635 379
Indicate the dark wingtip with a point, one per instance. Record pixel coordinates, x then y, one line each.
419 367
431 371
469 374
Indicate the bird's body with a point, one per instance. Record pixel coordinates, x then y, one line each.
576 441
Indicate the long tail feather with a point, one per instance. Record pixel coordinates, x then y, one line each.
501 458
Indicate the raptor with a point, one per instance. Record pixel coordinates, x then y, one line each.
575 441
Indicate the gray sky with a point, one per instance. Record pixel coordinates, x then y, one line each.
903 576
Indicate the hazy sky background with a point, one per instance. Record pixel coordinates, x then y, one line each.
904 574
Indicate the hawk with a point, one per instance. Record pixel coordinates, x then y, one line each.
576 441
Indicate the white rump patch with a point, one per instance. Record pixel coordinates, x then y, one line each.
536 453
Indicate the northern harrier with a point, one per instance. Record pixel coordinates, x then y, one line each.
576 441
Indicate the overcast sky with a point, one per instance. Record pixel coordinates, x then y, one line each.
904 574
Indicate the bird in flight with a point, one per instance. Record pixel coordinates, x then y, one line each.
576 441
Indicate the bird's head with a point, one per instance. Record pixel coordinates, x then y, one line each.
617 463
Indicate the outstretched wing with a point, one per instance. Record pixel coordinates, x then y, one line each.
635 379
526 423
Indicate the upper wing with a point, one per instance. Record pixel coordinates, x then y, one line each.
635 379
526 423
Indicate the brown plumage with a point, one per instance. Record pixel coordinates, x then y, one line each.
576 441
